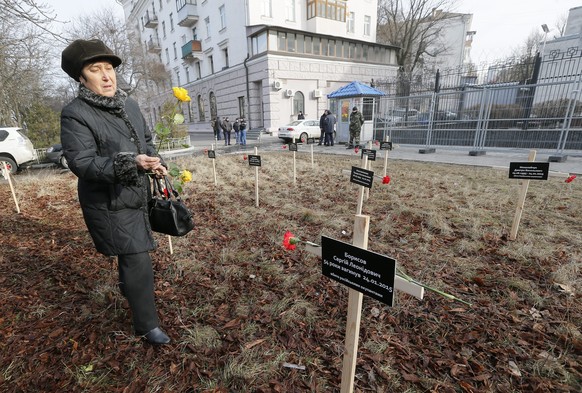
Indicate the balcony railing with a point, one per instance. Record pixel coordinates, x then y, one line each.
192 49
150 20
154 46
188 13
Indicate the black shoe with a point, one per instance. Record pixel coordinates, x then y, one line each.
319 144
157 336
349 147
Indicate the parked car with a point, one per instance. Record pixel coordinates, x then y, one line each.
55 155
300 130
16 149
396 117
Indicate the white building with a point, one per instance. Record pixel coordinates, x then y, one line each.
262 59
561 61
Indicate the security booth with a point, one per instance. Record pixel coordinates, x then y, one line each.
341 102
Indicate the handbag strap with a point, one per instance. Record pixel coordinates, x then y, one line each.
158 186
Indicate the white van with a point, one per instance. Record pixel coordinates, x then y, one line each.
16 149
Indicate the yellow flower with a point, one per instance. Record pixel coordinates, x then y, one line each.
181 94
185 176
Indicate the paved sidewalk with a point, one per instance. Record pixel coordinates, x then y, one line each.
493 158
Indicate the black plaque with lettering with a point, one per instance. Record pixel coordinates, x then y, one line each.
254 160
385 145
362 270
371 154
211 154
362 177
292 146
529 170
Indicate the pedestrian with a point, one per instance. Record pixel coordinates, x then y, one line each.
321 129
243 131
216 128
236 128
356 121
109 147
226 129
328 122
300 116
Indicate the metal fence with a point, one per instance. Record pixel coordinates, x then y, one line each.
541 116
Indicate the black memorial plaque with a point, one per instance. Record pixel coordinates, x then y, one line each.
254 160
385 145
529 170
365 271
371 154
362 177
292 146
211 154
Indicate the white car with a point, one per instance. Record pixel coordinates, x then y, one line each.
300 130
16 150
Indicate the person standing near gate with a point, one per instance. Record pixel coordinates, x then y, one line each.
243 131
356 121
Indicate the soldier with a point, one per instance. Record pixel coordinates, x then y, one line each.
356 121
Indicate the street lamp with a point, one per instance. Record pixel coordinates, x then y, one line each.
546 31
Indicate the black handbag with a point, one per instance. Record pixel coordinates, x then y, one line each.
167 212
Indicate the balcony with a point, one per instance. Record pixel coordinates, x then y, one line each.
192 50
188 14
154 46
150 21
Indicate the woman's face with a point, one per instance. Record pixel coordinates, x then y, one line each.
100 78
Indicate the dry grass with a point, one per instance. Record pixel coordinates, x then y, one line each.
239 305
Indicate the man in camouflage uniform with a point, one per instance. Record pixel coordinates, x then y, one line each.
356 121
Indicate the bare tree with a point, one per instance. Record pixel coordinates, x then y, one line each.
560 25
415 26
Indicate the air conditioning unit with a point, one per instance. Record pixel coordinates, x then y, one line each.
289 93
277 85
317 93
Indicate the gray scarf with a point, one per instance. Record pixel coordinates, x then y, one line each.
114 105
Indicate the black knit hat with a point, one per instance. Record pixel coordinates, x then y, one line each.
80 52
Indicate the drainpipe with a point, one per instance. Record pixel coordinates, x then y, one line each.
248 92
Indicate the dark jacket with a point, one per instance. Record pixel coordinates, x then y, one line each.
113 194
328 124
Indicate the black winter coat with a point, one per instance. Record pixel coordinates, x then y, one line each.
95 144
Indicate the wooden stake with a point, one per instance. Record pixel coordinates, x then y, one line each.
294 166
8 177
387 139
256 181
311 155
361 192
521 201
368 166
170 244
361 227
214 166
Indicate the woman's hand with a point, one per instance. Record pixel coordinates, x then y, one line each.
151 164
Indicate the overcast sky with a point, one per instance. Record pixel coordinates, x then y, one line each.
501 25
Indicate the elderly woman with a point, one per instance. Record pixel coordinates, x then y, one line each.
108 146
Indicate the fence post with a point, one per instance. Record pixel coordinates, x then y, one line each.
559 156
428 149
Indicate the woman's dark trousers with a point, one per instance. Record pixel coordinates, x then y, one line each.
136 282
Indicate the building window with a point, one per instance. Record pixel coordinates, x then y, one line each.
160 5
222 17
201 108
167 56
207 23
225 51
266 8
187 70
164 28
213 107
171 22
241 106
178 78
290 10
367 25
328 9
351 22
298 103
259 43
175 51
198 70
211 62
